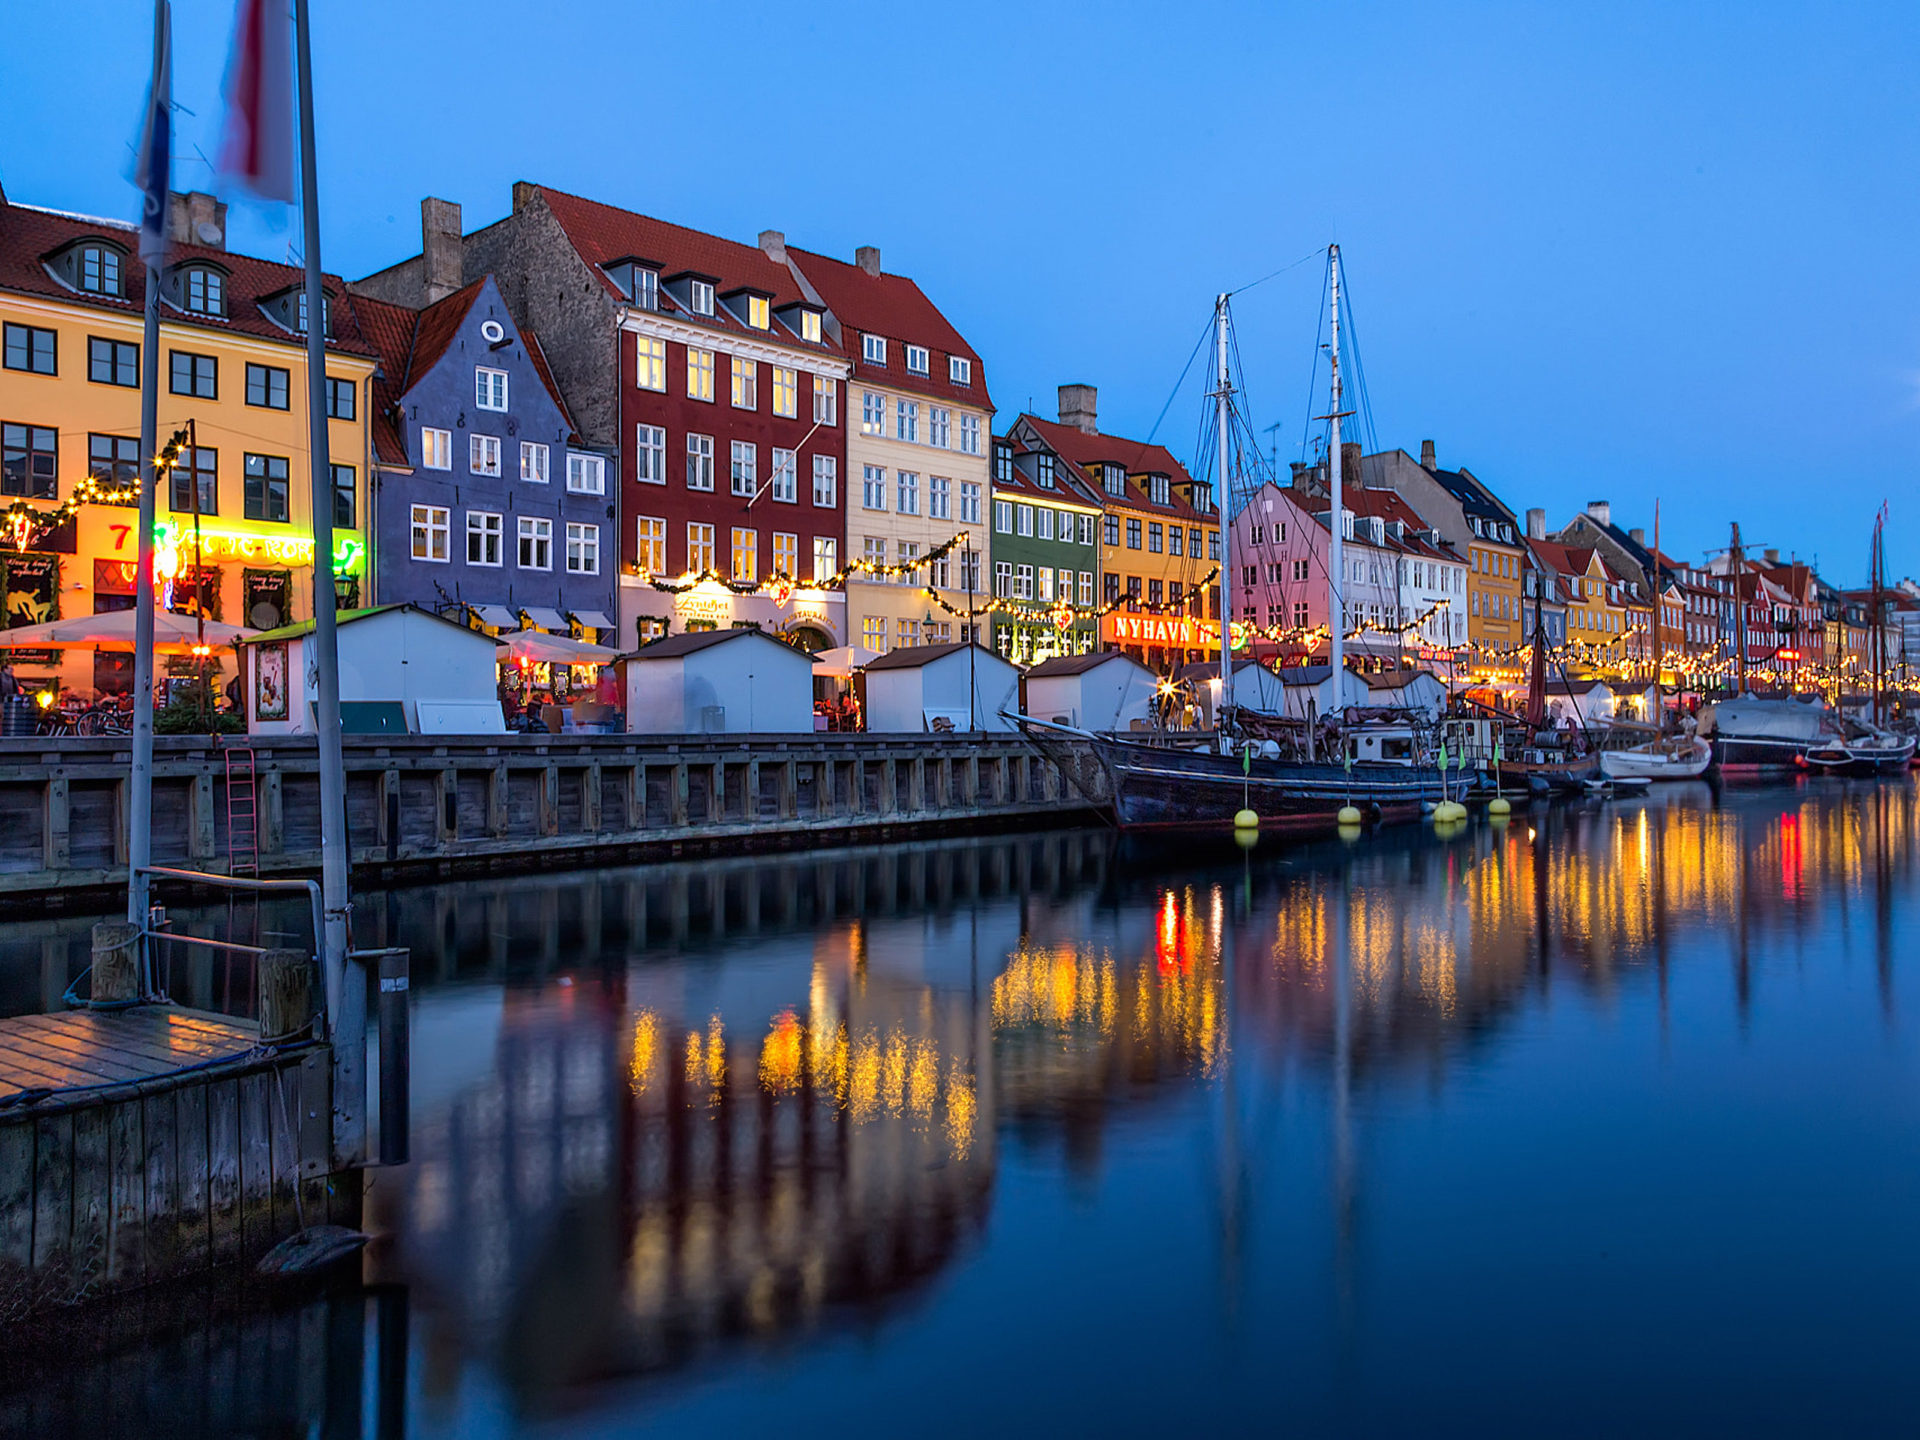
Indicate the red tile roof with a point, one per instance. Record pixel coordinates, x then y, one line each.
1136 457
1070 484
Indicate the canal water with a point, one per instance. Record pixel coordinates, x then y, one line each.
1603 1121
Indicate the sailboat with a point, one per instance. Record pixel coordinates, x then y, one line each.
1684 756
1163 786
1550 763
1868 748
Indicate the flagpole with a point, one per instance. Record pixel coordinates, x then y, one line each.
346 1001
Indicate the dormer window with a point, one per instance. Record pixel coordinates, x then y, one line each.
873 349
99 270
759 312
916 359
204 291
1043 472
700 297
646 288
959 370
1115 479
810 326
295 310
1003 464
1160 489
1202 497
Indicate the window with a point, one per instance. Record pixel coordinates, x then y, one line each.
1044 523
873 349
1300 613
340 399
917 359
1023 519
1086 587
939 498
650 544
30 462
536 543
1154 595
940 572
940 427
1045 594
267 387
959 370
873 552
1023 582
1112 587
700 462
483 455
759 312
583 549
786 391
99 270
1086 529
204 291
969 502
650 363
906 420
810 326
826 557
300 313
196 375
1110 529
1043 471
699 374
489 388
431 525
646 288
114 362
1176 538
785 489
1257 535
1154 545
786 555
345 502
826 401
1159 490
826 481
266 493
746 462
436 449
1133 533
533 462
1300 569
969 570
650 455
586 475
1133 591
30 348
909 491
700 298
746 383
1115 479
1193 539
873 487
1003 516
483 537
873 633
199 467
970 434
909 556
1213 544
873 413
1249 575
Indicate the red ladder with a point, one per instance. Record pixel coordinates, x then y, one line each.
243 814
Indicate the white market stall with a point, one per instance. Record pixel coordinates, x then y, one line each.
1408 690
919 688
713 682
1102 691
1255 687
1310 694
402 669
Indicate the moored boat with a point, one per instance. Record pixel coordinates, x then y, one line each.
1759 737
1675 757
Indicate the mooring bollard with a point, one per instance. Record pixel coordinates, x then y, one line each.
396 1063
115 978
289 994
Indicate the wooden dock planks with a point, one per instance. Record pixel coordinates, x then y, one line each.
82 1049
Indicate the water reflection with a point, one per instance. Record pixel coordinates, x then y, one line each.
702 1120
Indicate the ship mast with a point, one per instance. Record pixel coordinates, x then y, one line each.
1222 406
1336 609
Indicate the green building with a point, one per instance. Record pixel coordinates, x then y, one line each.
1044 555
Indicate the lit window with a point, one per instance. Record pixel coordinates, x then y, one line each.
583 549
759 312
483 537
746 554
699 374
533 462
826 481
786 555
650 454
431 526
873 633
873 349
746 461
650 536
810 326
784 485
536 543
483 455
959 370
917 359
786 391
826 401
746 384
826 557
873 413
650 363
586 475
436 449
699 462
490 389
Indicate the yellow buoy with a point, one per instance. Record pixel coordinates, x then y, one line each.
1246 820
1448 828
1448 812
1499 805
1348 815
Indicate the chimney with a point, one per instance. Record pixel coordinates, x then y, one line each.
1773 556
1536 524
1426 455
867 257
196 218
1078 407
441 263
523 193
773 244
1601 512
1638 536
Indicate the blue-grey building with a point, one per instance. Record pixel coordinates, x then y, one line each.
484 504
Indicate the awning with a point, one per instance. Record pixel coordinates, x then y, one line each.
545 619
172 633
593 619
498 616
556 649
842 661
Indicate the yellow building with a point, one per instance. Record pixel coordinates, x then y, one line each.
232 344
1495 571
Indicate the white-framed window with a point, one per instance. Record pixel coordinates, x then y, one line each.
1115 479
873 413
940 426
786 487
489 388
533 462
650 544
650 454
826 481
1043 470
939 498
586 474
699 547
699 374
1160 489
1086 529
908 488
940 572
959 370
483 455
700 297
970 502
536 542
786 554
1023 519
1046 585
969 434
759 312
742 471
436 449
909 556
906 420
483 538
431 524
786 391
1003 579
650 363
873 633
810 326
1003 516
699 462
646 288
583 549
873 349
746 383
1086 587
873 487
1023 582
826 557
826 400
917 359
909 631
873 550
746 553
969 569
1043 523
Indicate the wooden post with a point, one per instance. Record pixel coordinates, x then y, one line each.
637 796
449 800
289 994
272 820
789 789
497 801
116 963
200 824
677 800
58 847
590 785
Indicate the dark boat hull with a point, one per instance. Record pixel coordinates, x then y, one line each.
1757 755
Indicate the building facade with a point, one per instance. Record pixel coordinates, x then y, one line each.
1045 555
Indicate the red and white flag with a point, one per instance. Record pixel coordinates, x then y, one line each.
257 148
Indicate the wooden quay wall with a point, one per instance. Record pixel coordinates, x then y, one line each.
421 806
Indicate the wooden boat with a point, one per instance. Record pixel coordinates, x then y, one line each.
1674 757
1862 750
1758 737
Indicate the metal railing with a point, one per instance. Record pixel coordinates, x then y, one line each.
151 935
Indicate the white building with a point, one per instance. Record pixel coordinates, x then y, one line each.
923 687
1255 688
715 682
1408 690
1310 695
1105 691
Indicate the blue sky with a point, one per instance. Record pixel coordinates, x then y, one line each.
1618 251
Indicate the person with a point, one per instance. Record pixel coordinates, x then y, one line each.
236 693
9 687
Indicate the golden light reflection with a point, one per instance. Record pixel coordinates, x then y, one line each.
646 1051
